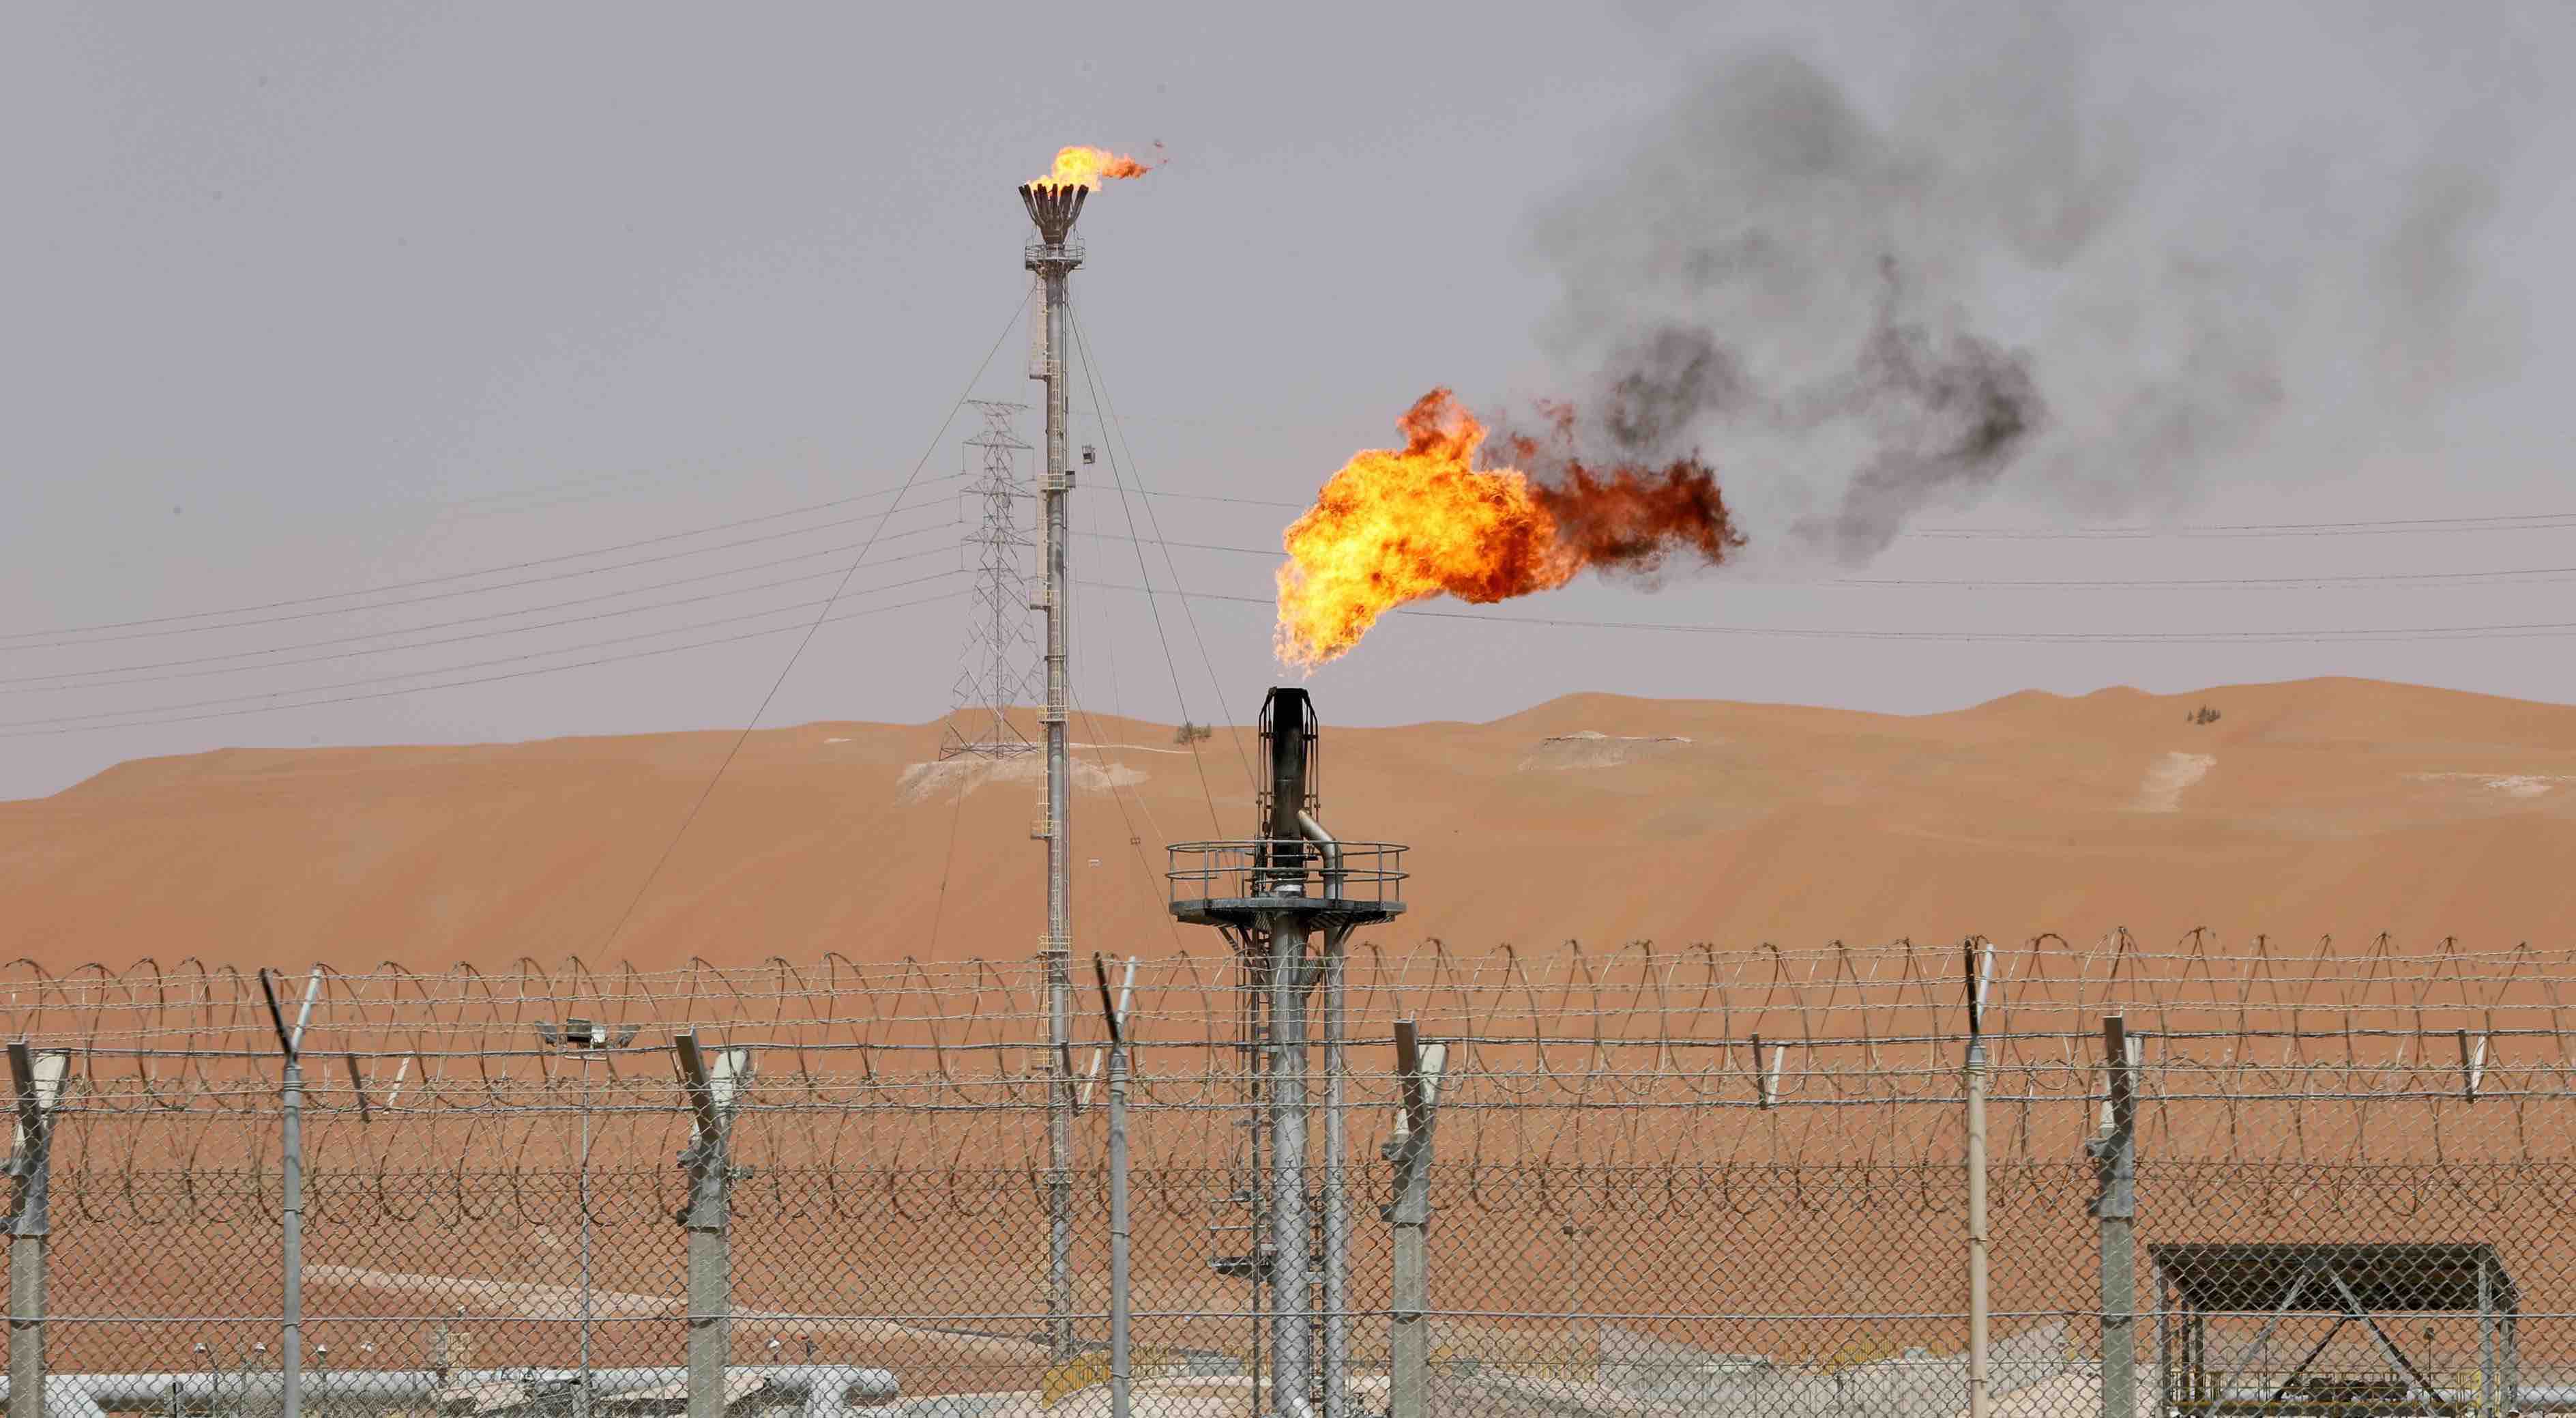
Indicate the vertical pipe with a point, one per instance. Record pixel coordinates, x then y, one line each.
1057 485
1292 1340
1337 1214
1979 1405
1121 1301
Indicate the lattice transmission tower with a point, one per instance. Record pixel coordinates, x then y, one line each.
1000 665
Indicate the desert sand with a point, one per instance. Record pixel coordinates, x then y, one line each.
2343 806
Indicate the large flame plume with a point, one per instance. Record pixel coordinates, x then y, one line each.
1402 524
1087 167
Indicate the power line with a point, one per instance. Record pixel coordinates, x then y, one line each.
2362 635
464 576
2507 522
512 502
473 664
27 684
1154 607
2505 576
2238 583
799 652
948 863
1213 497
2502 522
486 679
1135 844
1118 441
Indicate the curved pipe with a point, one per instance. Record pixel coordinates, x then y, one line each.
1335 875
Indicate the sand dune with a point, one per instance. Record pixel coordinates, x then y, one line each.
2325 805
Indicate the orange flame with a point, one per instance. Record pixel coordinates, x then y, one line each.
1085 167
1403 524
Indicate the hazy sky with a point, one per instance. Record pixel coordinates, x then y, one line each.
313 299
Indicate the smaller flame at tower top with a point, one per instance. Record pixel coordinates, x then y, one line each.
1087 167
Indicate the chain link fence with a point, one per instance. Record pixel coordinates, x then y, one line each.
2330 1179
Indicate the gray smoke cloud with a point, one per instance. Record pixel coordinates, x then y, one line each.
2004 275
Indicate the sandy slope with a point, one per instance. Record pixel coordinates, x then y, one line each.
2324 805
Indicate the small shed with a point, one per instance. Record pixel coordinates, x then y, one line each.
2369 1285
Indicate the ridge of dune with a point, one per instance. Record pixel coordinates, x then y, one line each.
2307 807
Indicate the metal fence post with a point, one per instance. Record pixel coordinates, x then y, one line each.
39 1081
714 1084
1060 1340
1122 1374
1337 1209
1979 1338
1409 1343
1980 1390
2115 1205
290 1043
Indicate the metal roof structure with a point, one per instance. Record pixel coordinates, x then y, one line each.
2405 1278
2358 1284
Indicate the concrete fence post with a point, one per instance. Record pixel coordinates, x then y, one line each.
38 1078
713 1081
2114 1153
1417 1069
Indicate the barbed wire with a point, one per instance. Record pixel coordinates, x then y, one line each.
1639 992
1640 1062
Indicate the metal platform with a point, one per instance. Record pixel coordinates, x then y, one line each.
1239 883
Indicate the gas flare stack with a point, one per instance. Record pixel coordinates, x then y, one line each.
1288 901
1054 207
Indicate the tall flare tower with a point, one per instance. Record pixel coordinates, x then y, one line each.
1055 207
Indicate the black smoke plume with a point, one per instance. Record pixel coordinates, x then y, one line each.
2012 278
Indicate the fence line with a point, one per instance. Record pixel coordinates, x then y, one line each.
1661 1181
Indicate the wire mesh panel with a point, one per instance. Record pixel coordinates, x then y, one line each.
1652 1182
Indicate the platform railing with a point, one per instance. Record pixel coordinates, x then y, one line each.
1363 873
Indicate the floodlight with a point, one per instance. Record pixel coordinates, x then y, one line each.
1421 1083
2130 1044
40 1087
714 1080
728 1073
